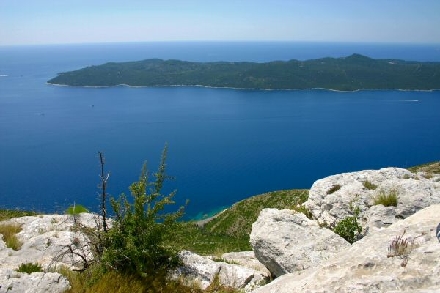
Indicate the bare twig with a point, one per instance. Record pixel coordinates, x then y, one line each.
104 179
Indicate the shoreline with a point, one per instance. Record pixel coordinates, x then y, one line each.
234 88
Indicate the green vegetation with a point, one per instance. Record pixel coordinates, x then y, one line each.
76 209
9 232
347 74
229 230
136 244
136 249
9 214
334 188
349 228
388 199
429 168
370 186
116 282
29 268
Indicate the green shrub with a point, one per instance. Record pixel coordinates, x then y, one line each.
137 242
9 232
387 199
76 209
334 188
349 228
368 185
29 268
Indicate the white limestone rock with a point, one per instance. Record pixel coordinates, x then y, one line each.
369 265
246 259
414 192
285 241
203 270
44 239
13 282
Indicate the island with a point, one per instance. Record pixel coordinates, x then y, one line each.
355 72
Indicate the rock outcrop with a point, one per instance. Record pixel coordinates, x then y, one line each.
285 241
400 253
203 271
45 239
333 198
401 258
13 282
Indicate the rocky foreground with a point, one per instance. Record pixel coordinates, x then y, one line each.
399 250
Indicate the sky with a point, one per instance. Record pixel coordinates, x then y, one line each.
27 22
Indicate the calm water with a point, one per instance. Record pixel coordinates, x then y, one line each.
224 144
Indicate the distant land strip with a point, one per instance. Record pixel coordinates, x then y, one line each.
355 72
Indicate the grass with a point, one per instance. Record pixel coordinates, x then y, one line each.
430 168
387 199
334 188
9 232
93 281
29 268
9 214
230 230
368 185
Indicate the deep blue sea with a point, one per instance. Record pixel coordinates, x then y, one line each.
224 144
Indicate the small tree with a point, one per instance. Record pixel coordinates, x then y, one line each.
136 243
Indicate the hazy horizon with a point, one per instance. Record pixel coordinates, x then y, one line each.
47 22
223 41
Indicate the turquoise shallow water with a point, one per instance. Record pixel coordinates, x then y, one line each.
224 144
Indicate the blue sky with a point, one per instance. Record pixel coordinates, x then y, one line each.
84 21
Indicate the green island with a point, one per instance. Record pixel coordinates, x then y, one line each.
355 72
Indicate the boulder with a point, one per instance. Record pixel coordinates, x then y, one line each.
285 241
203 270
401 258
333 198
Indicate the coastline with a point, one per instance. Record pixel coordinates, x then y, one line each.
242 89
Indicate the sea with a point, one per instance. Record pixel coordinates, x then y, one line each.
224 145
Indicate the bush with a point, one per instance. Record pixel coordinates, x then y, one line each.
137 242
29 268
387 199
9 236
349 228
